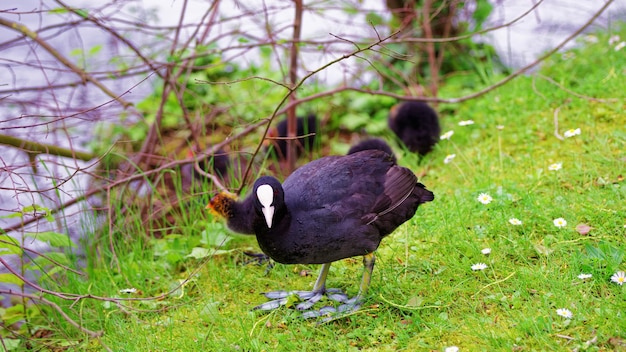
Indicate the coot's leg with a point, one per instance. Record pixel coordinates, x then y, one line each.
368 267
309 298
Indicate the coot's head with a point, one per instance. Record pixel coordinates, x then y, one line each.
269 199
221 204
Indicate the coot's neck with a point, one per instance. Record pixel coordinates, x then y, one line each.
241 216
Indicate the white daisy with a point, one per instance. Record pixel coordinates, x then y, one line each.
565 313
447 135
484 198
449 158
466 122
571 133
590 38
559 222
619 278
515 221
486 251
584 276
479 266
613 39
555 166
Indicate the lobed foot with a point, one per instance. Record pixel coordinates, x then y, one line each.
332 313
308 298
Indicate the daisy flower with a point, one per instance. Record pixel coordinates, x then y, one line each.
555 167
614 39
479 266
515 221
484 198
619 277
447 135
559 222
589 38
565 313
583 276
486 251
466 122
571 133
449 158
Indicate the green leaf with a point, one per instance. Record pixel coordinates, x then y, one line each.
374 19
10 344
541 249
82 13
58 10
9 245
354 121
37 208
12 215
200 252
415 301
95 50
9 278
215 236
54 238
76 52
41 261
594 252
13 314
210 311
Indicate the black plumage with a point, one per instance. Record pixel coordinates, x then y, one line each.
305 126
332 208
372 143
416 124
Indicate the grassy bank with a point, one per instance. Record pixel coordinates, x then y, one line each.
424 293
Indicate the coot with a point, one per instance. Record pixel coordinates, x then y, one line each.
372 143
332 208
416 124
304 126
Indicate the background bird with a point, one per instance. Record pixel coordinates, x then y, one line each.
305 126
372 143
416 124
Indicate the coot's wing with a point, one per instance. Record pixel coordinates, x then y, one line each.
352 181
399 185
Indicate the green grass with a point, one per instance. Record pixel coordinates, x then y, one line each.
423 296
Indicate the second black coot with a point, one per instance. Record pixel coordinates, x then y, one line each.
332 208
416 124
373 144
305 126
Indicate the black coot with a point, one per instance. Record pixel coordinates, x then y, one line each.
332 208
372 143
304 126
416 124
